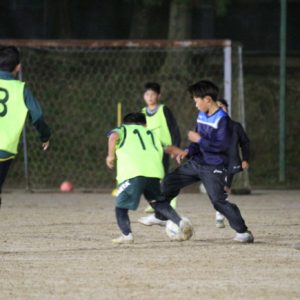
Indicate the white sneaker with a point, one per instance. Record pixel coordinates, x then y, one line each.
151 220
186 229
123 239
245 237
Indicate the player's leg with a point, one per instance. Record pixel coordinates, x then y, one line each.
4 167
128 198
213 180
153 194
166 164
181 177
220 219
173 182
123 220
228 183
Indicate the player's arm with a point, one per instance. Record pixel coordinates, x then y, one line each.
173 127
245 146
111 155
36 118
176 152
193 148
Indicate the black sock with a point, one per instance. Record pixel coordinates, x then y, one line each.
123 220
165 209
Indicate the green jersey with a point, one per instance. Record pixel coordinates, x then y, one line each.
158 124
139 153
13 112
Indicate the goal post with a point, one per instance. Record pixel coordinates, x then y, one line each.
81 82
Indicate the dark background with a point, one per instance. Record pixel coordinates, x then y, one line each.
254 23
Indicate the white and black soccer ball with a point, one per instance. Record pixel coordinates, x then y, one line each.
176 234
172 230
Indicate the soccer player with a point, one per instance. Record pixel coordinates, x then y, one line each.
16 100
208 158
239 139
139 171
162 123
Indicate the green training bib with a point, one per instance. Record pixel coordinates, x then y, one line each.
158 124
139 153
13 112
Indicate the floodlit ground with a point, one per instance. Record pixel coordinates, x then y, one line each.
58 246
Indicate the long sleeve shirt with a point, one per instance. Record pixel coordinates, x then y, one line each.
239 140
213 146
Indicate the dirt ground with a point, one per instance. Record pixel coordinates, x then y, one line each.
58 246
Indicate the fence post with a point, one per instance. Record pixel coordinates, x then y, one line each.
282 90
228 76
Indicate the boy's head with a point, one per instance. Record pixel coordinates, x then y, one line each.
205 93
151 93
223 104
135 118
9 59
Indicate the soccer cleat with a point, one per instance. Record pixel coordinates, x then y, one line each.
149 210
220 224
151 220
186 229
123 239
245 237
174 203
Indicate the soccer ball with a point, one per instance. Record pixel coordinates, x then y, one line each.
172 230
177 234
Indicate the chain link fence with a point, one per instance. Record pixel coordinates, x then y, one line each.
79 88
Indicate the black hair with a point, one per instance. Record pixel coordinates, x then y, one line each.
204 88
224 102
9 58
135 118
153 86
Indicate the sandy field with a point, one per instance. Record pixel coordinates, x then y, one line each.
58 246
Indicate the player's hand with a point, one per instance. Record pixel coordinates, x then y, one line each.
181 156
245 165
110 160
193 136
45 145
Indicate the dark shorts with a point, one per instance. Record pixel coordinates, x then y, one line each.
131 190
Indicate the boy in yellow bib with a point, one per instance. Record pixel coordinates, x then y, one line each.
139 171
162 122
16 100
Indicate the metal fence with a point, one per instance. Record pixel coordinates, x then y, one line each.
79 84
